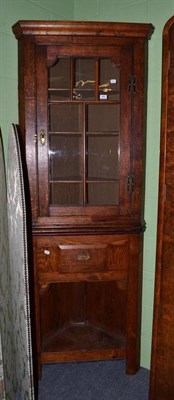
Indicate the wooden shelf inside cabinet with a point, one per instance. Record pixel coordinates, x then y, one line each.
66 133
80 101
88 329
84 95
88 180
108 133
99 180
82 337
82 88
66 180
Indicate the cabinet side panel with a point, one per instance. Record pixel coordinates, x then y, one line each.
134 295
139 126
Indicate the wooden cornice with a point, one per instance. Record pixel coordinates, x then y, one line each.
82 28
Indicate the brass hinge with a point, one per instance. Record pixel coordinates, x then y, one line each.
130 183
35 138
132 85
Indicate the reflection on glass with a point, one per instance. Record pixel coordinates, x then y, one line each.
102 157
66 194
65 117
62 150
101 194
84 79
59 80
103 118
109 81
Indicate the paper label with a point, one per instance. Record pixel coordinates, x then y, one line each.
103 96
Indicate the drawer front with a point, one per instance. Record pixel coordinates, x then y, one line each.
82 255
82 258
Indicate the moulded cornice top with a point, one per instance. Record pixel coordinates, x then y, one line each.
82 28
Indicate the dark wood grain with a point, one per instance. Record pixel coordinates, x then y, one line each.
162 361
82 28
82 254
87 258
42 126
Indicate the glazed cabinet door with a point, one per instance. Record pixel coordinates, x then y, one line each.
84 118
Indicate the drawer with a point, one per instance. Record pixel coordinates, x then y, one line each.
82 255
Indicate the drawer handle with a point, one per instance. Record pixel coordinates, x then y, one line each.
83 256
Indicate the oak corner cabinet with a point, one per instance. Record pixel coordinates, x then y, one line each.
82 102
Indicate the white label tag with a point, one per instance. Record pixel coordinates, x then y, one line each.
47 252
113 80
103 96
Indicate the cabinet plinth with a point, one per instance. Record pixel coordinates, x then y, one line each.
82 108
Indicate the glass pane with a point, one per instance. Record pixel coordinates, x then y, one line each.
65 157
102 154
59 80
59 74
66 194
65 117
102 157
109 81
65 154
101 194
103 118
84 79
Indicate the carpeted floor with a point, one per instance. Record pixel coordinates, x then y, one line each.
104 380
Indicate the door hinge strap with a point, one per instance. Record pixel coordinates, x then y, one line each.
130 183
132 84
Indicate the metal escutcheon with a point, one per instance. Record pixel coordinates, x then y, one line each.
42 137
